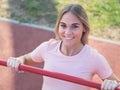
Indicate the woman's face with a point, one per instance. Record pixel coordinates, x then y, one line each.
70 30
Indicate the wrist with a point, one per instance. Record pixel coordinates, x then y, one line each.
118 84
21 59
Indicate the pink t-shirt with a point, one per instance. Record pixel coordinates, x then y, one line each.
85 65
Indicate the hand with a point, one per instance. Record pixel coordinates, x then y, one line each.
13 63
109 85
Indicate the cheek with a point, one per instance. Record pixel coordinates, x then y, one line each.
78 34
60 32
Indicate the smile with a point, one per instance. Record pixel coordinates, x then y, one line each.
68 38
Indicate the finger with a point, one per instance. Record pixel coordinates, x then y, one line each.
9 62
17 63
118 85
105 85
108 85
114 85
13 63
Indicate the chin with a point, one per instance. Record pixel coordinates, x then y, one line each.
67 44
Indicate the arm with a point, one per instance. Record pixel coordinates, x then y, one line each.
14 62
26 59
111 83
37 54
113 77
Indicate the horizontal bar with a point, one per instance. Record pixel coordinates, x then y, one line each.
57 75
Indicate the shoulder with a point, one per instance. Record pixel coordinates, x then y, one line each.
100 63
97 57
94 53
53 43
44 47
47 44
91 50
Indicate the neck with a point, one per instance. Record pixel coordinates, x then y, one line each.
72 50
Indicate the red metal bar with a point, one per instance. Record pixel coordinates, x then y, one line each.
56 75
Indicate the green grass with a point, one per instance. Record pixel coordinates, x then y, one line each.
40 9
104 15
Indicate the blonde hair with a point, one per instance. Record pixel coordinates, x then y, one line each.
80 13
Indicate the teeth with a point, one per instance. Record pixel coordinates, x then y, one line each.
68 38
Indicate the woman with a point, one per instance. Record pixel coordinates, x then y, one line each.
70 54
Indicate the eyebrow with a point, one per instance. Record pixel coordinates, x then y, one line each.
72 23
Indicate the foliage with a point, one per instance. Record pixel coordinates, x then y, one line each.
101 13
104 15
39 9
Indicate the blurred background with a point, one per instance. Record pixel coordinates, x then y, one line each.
104 15
24 24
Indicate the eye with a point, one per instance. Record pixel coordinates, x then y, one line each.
75 26
63 25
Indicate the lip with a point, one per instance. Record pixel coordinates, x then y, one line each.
69 38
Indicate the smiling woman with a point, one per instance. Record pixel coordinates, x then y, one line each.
69 54
70 32
80 16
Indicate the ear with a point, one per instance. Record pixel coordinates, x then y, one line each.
84 30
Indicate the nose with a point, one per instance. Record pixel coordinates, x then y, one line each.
68 31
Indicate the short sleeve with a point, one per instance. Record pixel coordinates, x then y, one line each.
103 68
38 53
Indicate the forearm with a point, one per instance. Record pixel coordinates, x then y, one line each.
114 77
110 83
26 59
